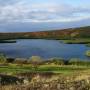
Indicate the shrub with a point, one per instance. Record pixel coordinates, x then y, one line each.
76 61
73 61
10 60
57 61
35 60
2 58
20 61
87 53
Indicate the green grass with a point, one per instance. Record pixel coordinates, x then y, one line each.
14 69
77 41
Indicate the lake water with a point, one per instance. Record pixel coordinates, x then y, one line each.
26 48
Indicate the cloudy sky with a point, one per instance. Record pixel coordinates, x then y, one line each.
35 12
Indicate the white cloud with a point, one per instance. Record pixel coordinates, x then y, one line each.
21 11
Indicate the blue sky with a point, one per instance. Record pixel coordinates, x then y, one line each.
38 11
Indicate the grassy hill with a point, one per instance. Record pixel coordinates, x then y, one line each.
82 32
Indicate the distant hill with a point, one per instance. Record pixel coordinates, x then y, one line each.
82 32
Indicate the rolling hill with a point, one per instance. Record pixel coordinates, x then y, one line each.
82 32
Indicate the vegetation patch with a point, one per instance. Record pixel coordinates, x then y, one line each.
36 73
87 53
77 41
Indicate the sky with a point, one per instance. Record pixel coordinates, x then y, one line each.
16 15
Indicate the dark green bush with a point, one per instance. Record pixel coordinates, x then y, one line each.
10 60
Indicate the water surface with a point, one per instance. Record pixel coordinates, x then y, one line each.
25 48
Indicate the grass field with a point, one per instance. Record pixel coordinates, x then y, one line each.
15 68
